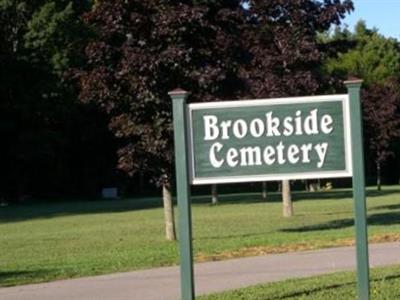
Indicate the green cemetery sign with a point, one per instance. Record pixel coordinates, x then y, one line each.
269 139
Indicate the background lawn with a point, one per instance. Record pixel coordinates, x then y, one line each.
385 285
47 241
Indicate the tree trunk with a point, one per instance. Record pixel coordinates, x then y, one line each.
264 190
287 199
141 181
214 194
170 233
306 186
378 175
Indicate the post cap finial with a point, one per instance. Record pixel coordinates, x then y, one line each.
178 92
353 80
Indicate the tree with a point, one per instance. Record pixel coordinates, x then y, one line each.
285 52
215 49
55 34
382 121
373 57
142 50
264 190
45 129
376 60
214 194
287 199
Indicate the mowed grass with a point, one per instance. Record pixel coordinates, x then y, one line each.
385 285
48 241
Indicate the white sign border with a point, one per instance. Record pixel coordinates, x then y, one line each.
347 172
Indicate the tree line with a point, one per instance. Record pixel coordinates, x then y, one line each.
84 84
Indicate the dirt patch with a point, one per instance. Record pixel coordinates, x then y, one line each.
264 250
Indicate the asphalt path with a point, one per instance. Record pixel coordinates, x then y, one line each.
163 283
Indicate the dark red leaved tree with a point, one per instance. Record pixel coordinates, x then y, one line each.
285 55
144 49
382 120
217 50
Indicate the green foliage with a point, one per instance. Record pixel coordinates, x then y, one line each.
44 33
374 58
45 29
48 241
55 35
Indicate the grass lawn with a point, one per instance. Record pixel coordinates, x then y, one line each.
48 241
385 285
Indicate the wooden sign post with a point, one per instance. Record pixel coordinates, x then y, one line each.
360 211
183 193
264 140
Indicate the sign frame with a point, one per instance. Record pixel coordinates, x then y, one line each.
347 172
181 137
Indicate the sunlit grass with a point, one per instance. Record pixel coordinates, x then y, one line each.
385 285
48 241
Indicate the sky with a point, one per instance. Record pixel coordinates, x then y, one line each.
382 14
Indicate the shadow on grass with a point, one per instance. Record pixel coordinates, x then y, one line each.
239 198
231 236
309 292
389 218
341 194
23 212
8 278
28 211
275 197
332 287
385 207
